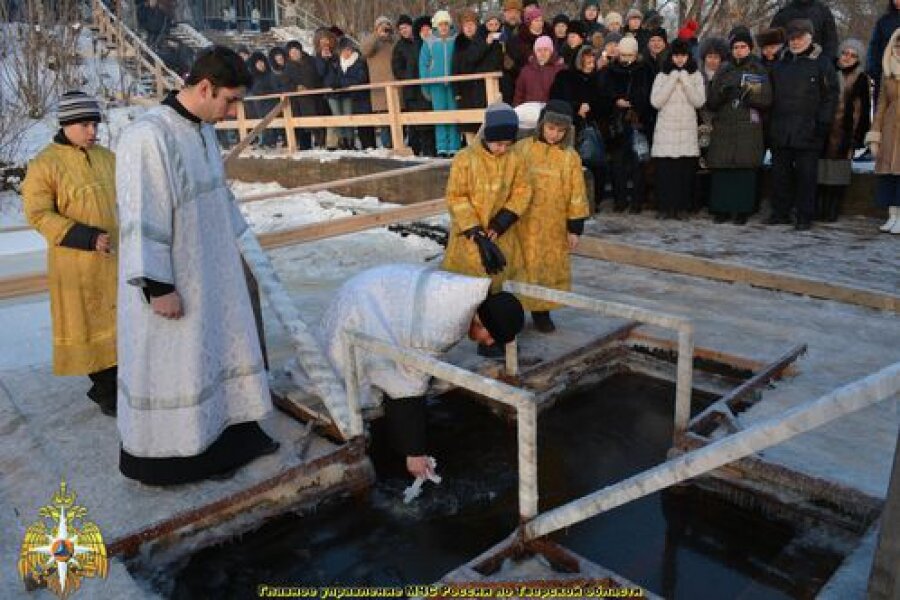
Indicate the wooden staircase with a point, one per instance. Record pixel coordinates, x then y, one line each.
152 77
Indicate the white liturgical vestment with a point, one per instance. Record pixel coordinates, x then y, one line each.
182 382
411 306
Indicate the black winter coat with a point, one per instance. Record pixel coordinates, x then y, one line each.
884 29
805 93
738 137
263 84
634 83
824 29
303 73
577 88
405 65
474 55
356 74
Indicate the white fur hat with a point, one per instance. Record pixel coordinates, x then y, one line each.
441 16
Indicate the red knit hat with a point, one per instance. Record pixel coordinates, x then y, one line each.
689 30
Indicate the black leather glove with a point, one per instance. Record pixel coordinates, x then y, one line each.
491 257
503 220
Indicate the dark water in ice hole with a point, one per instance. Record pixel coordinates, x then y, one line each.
682 544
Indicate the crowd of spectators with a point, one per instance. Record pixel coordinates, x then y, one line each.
679 121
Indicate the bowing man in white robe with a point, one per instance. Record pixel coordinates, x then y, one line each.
192 384
420 308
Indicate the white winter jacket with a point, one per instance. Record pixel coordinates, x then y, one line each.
677 96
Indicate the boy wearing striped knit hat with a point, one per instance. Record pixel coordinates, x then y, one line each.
69 197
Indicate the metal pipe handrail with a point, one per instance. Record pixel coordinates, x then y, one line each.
522 400
682 325
764 434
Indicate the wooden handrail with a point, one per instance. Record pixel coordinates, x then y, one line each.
381 85
395 117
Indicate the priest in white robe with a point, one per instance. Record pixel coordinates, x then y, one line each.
192 383
420 308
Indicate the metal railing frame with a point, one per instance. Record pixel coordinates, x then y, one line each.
521 400
681 325
850 398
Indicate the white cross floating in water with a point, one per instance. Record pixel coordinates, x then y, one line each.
414 490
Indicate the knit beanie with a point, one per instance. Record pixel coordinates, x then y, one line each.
855 45
78 107
543 42
740 34
613 17
770 37
501 123
512 4
614 37
404 20
628 45
561 18
689 30
634 13
383 20
531 13
502 315
441 16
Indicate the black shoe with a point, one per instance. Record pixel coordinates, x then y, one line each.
543 322
108 407
494 351
803 226
720 218
740 219
104 397
778 220
619 208
635 209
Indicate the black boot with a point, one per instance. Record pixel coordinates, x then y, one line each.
104 391
542 321
834 204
